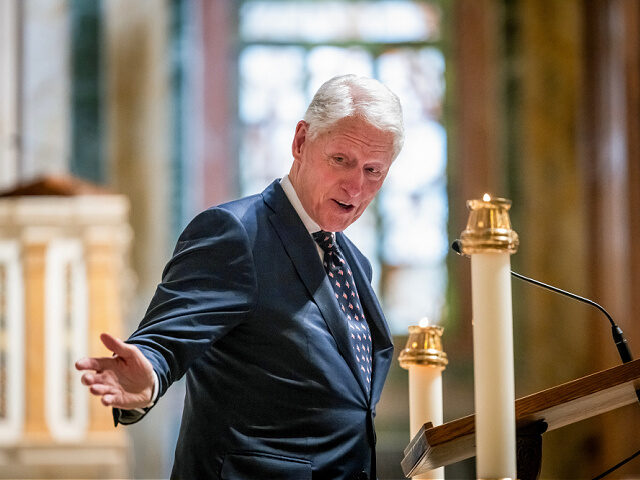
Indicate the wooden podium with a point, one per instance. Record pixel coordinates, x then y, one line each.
556 407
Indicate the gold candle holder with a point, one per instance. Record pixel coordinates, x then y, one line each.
424 347
489 227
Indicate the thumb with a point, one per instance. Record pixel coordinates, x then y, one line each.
115 345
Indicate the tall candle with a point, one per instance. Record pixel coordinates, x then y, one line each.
493 366
490 241
424 359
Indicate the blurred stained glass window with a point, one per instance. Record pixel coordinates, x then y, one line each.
287 50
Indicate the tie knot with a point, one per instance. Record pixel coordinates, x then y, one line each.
325 240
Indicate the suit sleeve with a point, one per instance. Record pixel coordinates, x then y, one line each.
208 287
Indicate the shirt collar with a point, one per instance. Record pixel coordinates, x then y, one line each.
291 194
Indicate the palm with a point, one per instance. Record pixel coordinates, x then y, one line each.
124 380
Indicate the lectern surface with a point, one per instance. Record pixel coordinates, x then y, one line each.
568 403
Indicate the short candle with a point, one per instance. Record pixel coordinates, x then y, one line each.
424 359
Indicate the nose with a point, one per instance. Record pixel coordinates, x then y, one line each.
352 182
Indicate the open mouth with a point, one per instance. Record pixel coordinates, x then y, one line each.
345 206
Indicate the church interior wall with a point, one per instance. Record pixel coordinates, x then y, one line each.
542 107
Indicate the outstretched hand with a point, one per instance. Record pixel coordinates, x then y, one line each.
124 380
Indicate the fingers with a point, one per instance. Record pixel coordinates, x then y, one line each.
101 385
90 379
124 380
100 390
115 399
87 364
87 379
109 400
115 345
95 363
98 384
107 397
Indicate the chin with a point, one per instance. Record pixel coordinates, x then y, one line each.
338 227
337 221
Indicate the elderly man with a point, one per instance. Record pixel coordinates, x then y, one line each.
268 309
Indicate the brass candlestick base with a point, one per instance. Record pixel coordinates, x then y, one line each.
489 227
424 347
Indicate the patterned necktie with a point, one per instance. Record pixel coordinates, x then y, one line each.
345 291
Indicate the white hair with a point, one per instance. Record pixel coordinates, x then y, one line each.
354 96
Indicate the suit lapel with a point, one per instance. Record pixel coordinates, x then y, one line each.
303 253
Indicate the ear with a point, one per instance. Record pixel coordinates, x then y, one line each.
299 138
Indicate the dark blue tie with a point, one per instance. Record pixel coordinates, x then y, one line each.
344 287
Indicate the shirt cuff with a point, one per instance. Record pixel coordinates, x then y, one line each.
154 394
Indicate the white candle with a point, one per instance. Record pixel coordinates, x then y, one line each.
425 360
425 396
493 365
425 403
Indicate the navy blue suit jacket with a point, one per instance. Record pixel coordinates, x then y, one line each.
246 311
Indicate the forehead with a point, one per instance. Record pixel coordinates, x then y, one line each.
356 132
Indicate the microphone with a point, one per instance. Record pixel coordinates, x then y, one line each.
616 331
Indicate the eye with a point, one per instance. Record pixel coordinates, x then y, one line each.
338 159
373 171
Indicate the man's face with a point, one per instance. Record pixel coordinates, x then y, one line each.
337 174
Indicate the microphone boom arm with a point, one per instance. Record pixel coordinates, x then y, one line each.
616 331
564 292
